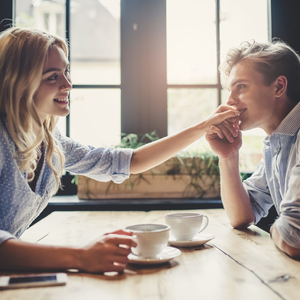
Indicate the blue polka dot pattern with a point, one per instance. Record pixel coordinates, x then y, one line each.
19 205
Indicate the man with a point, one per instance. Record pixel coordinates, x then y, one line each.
264 85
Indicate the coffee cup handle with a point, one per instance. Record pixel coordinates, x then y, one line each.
204 226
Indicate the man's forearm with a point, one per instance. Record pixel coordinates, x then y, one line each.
234 196
282 245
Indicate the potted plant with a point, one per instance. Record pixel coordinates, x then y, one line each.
187 175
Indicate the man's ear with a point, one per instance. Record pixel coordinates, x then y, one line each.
281 86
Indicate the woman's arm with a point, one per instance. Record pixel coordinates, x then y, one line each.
102 255
155 153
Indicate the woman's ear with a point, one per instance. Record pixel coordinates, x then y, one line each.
281 86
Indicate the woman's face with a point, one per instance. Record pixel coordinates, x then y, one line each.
51 98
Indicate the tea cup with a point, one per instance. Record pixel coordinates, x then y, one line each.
186 225
151 239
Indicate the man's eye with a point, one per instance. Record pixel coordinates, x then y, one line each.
240 86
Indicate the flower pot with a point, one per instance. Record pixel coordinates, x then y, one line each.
175 178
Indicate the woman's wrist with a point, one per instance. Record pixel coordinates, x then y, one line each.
76 258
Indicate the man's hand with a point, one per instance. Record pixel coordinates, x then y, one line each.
225 139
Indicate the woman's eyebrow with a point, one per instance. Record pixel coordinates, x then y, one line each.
55 69
51 70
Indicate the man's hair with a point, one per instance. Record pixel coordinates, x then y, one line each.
22 57
272 60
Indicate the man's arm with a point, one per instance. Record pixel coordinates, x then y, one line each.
282 245
235 198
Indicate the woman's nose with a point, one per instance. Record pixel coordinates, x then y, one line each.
67 84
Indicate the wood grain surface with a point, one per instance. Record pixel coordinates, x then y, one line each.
236 264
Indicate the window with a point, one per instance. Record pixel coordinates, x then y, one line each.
199 33
139 66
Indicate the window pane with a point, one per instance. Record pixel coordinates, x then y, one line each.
95 116
237 25
191 42
95 42
242 20
187 107
45 15
61 125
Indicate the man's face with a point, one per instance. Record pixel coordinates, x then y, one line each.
250 95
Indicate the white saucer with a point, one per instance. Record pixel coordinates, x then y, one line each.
198 240
167 254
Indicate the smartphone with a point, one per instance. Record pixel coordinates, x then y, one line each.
26 281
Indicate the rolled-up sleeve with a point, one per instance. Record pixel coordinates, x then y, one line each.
258 192
4 236
288 223
102 164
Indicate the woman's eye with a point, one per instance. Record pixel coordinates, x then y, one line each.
68 71
53 77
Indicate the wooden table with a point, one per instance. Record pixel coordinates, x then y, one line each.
236 264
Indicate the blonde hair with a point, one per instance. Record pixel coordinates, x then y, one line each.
272 60
22 55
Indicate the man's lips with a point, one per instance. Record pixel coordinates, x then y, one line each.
242 111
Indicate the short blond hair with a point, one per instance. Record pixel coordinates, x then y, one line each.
272 60
22 56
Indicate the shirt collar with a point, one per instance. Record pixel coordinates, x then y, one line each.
291 123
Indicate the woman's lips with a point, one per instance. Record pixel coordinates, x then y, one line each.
62 101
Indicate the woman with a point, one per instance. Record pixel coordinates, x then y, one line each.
34 88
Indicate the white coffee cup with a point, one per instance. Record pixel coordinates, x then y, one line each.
151 239
185 225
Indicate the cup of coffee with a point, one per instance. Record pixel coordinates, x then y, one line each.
185 225
151 239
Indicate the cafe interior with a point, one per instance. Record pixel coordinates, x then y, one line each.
142 70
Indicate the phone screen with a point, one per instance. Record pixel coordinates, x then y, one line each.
27 279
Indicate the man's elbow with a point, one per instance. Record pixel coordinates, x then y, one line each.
291 251
241 223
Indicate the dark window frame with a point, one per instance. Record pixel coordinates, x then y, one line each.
143 66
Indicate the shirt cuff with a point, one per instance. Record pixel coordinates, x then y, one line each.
4 236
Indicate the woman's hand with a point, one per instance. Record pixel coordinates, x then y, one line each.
108 253
225 139
227 116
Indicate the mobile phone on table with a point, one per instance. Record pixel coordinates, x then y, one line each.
26 281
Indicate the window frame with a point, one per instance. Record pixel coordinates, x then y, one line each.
143 66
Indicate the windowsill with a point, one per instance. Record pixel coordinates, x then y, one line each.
74 203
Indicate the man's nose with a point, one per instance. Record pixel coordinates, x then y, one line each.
231 100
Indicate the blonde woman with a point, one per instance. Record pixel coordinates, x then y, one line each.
34 89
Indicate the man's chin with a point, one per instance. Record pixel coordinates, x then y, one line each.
243 126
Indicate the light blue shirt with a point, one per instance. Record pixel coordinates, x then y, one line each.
19 205
277 178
